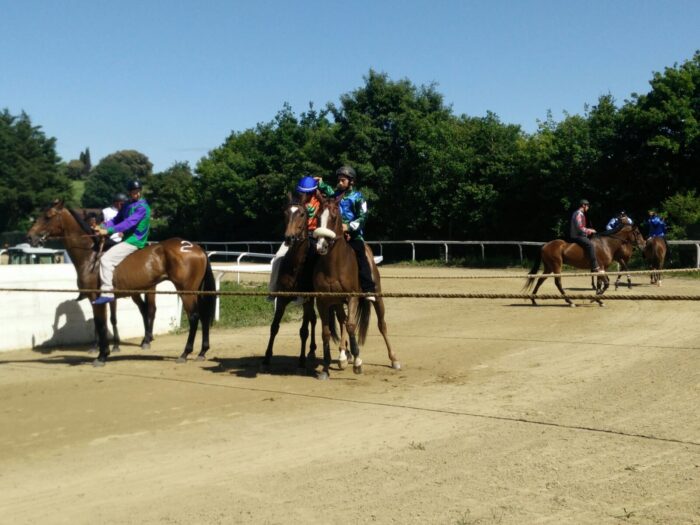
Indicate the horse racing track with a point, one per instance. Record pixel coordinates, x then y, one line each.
503 413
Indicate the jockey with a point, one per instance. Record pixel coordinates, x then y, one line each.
133 224
579 234
306 191
353 208
619 219
110 212
657 226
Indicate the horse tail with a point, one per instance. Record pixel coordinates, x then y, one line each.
533 272
362 320
207 302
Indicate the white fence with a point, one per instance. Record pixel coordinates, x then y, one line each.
273 245
47 319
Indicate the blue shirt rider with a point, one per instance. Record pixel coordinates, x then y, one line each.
657 226
618 220
353 209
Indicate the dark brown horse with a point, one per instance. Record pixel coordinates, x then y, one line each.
184 264
290 280
655 254
337 271
555 254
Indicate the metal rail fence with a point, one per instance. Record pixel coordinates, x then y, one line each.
229 246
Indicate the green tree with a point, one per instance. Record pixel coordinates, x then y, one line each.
173 198
112 174
30 174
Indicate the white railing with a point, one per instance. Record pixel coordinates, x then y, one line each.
413 243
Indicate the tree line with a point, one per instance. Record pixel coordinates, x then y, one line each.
426 172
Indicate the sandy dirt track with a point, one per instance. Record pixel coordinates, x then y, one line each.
503 413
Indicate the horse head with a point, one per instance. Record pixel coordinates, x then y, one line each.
330 225
295 219
48 224
637 237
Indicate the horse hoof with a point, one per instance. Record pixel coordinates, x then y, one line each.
181 360
396 365
98 363
116 349
572 305
93 350
601 304
201 358
145 346
343 363
322 376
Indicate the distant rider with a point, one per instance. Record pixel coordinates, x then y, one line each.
580 233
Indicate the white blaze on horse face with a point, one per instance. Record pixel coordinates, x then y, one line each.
322 242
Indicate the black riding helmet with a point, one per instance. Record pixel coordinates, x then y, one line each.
133 185
346 171
120 197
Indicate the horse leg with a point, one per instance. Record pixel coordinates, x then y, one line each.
308 324
353 305
557 281
324 313
381 323
537 286
113 321
190 306
100 316
343 347
147 315
280 306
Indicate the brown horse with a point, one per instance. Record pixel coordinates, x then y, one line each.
337 271
555 254
289 280
655 254
176 260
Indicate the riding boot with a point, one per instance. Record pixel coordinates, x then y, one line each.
366 282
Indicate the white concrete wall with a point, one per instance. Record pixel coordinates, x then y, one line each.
33 319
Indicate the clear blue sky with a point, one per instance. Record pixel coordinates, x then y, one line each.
172 79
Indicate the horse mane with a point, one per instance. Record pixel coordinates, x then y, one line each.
81 222
615 230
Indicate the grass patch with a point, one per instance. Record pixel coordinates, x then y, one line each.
237 311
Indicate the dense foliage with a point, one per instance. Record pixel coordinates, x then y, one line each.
426 172
30 174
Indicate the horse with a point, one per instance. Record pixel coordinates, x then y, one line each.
655 254
554 254
183 263
337 271
292 265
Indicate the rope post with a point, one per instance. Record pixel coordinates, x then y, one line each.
520 248
483 252
447 253
697 255
413 252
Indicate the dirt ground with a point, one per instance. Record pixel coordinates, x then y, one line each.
502 413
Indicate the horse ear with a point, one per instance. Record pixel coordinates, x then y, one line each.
289 197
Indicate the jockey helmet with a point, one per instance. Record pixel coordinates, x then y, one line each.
584 202
346 171
120 197
133 185
307 185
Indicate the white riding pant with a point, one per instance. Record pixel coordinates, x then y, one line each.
275 270
109 261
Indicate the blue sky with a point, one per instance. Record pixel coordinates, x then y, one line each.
173 79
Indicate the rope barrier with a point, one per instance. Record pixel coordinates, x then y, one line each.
392 295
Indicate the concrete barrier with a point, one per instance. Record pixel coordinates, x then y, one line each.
50 319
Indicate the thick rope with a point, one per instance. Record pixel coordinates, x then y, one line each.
395 295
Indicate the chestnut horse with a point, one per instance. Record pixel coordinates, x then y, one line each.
185 264
288 280
655 254
558 252
337 271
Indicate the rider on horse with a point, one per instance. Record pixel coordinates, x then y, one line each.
579 233
618 220
133 223
353 208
